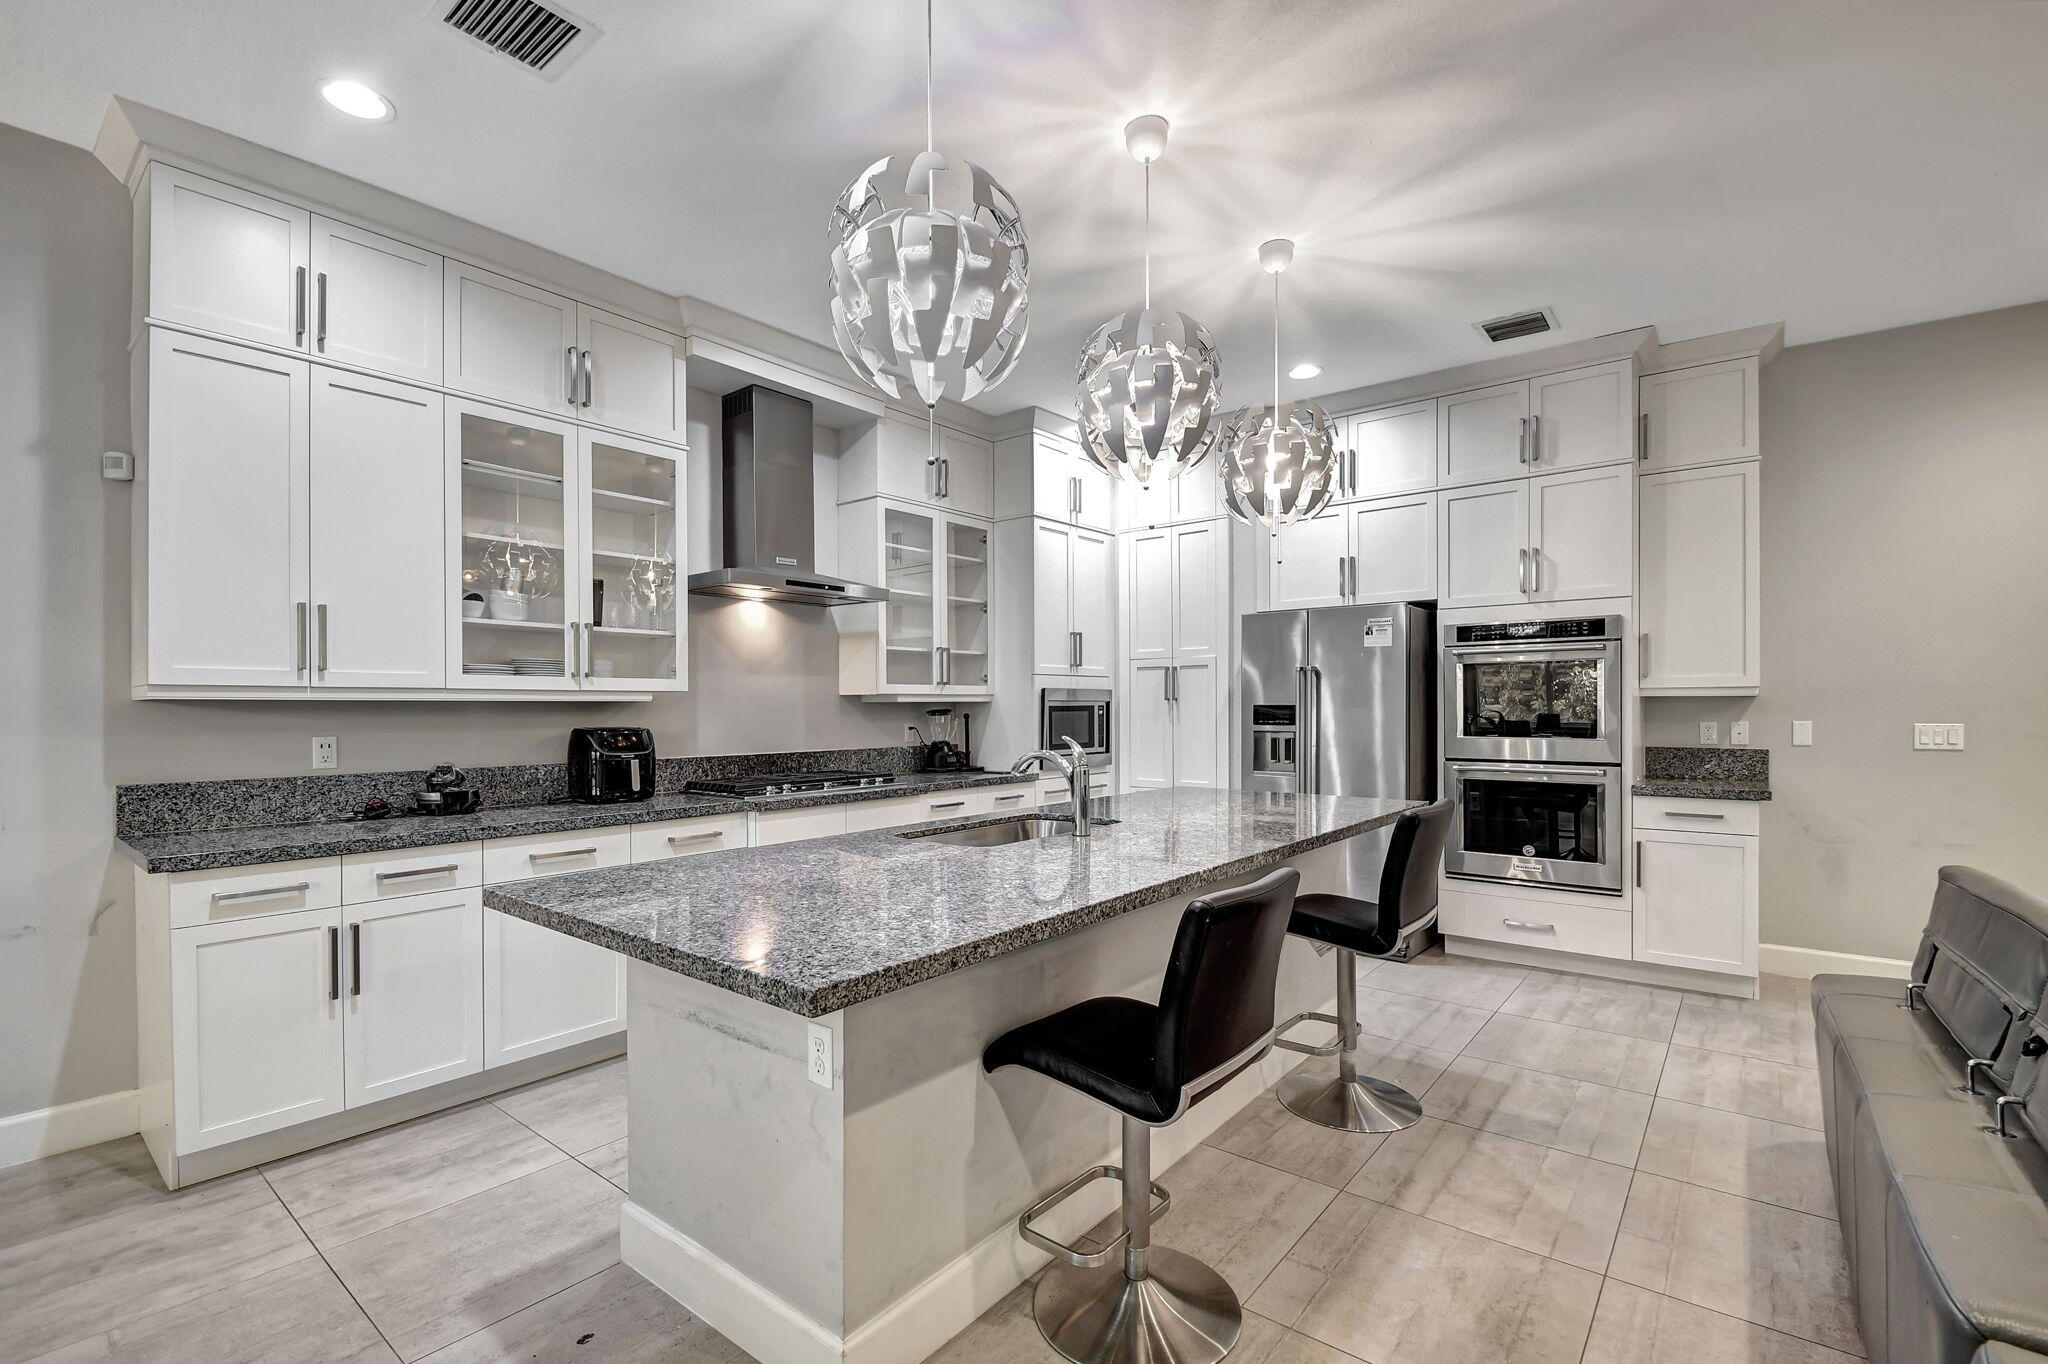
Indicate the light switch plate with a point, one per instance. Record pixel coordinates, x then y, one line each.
1738 733
325 751
1939 736
1802 734
1710 731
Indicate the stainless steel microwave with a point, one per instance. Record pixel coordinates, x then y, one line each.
1074 713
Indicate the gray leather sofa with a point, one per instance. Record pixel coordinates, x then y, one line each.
1945 1221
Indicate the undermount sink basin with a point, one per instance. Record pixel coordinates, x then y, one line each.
1018 830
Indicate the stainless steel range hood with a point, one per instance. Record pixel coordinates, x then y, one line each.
770 537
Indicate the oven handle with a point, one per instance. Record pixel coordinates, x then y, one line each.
1589 648
1535 771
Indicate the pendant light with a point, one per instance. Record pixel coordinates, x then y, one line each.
930 272
1148 380
1278 462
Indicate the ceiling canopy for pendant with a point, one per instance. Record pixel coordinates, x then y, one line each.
1278 463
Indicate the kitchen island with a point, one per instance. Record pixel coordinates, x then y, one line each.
817 1165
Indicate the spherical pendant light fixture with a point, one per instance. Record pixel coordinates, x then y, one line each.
1148 380
1279 462
930 273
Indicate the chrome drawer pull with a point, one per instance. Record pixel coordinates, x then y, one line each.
1535 927
679 840
947 804
221 897
1019 795
1688 814
566 852
421 871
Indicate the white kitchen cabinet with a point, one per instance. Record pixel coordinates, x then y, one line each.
1201 591
1067 486
256 1025
1390 450
1706 414
1483 544
899 458
1194 496
688 837
225 260
1308 562
626 591
1483 434
631 375
1145 757
931 638
1055 798
1698 571
377 534
1696 897
508 340
1177 598
1073 591
1582 534
793 826
1581 418
1093 609
376 302
1174 725
224 482
544 990
413 1003
1379 551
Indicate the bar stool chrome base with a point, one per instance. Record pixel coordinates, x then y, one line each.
1361 1104
1182 1312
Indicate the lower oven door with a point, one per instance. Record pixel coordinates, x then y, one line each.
1537 823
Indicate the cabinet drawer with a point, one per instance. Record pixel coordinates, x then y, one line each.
1697 816
947 805
1001 800
1560 927
211 897
385 876
688 837
792 826
521 859
1055 792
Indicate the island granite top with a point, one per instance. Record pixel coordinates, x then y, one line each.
817 926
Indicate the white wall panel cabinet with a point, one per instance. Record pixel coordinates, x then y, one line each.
1707 414
509 340
1696 900
1308 562
225 260
413 1005
1194 496
376 302
1698 571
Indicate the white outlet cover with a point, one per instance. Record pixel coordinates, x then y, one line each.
1802 734
818 1055
325 751
1710 731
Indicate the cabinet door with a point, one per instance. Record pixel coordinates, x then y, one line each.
1067 486
1093 613
1697 579
1148 577
634 619
225 477
377 552
226 260
1483 435
1147 756
1393 549
508 340
1201 587
1052 598
1582 534
1393 450
1696 901
1307 564
1483 545
512 495
1196 493
1703 415
913 569
794 826
966 480
376 302
1198 691
1582 417
414 1000
632 375
256 1025
544 990
965 586
1096 501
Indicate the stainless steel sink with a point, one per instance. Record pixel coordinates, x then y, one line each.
1019 830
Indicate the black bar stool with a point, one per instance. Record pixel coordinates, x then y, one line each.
1347 1100
1149 1062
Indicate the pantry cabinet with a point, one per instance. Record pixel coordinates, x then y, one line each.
1377 551
1698 589
1073 590
1558 537
908 461
1705 414
1175 694
413 1003
931 638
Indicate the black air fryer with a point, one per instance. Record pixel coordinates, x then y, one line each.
611 764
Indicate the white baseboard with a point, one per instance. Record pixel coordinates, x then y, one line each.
52 1131
738 1308
1804 963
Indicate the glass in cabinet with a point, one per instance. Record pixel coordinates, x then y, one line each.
514 549
631 627
931 636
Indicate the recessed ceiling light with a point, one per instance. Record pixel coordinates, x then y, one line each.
357 100
1305 370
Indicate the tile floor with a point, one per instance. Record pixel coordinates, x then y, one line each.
1608 1174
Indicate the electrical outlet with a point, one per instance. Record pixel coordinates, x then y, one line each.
325 753
1738 733
818 1056
1710 731
1943 737
1802 734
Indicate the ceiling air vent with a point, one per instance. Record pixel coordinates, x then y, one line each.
539 37
1517 325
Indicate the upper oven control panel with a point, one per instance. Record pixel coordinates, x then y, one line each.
1518 631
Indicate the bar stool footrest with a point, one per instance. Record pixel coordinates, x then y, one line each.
1082 1259
1311 1016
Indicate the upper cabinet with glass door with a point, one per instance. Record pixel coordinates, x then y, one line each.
514 547
931 637
633 635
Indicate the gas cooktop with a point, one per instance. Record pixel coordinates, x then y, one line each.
787 783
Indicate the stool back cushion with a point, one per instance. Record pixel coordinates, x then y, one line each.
1415 854
1217 998
1984 958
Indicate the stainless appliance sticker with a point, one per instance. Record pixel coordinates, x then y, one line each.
1379 632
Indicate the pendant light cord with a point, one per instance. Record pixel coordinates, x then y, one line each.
1148 236
928 75
1276 354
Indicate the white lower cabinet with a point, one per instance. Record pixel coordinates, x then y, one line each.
1696 891
1175 724
413 1004
688 837
544 990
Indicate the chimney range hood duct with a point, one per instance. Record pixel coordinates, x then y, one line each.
770 537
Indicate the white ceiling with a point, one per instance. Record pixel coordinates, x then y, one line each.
1841 165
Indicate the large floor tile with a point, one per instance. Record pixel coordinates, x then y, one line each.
1454 980
1266 1132
1533 1197
102 1273
1636 1326
608 1160
1747 1027
1605 1058
1765 1264
1643 1011
615 1317
1394 1288
579 1111
38 1197
356 1187
1234 1215
437 1278
1420 1022
1578 1116
1743 1084
296 1315
1773 1162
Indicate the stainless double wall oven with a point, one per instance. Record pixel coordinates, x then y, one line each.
1533 747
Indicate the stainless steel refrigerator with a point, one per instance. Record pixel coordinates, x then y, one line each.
1341 700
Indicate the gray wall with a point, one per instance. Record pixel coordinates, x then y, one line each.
1905 577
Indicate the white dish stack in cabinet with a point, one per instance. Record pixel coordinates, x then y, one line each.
1179 656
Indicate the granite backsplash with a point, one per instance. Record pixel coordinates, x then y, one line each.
1687 763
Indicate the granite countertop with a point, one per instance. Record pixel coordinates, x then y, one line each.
817 926
211 849
1701 788
1705 773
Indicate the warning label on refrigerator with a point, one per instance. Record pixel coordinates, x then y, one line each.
1379 632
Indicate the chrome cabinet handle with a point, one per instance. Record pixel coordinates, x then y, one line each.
1642 435
299 305
569 384
587 385
1536 438
683 840
222 897
947 804
946 477
355 958
1690 814
1015 795
333 963
418 871
1522 572
1352 562
587 629
320 311
1353 454
1643 655
1340 575
1535 569
1522 442
320 616
566 852
299 609
1639 864
1531 925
